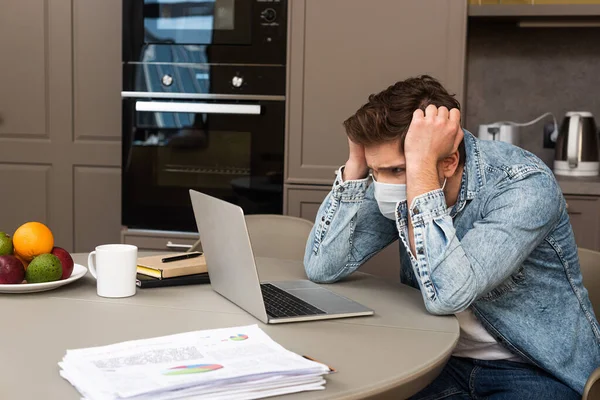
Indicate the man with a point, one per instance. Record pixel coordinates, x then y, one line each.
484 234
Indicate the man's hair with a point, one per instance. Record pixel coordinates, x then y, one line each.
387 115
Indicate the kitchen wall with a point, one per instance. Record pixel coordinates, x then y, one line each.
518 74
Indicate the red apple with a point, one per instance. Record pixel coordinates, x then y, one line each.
11 270
66 261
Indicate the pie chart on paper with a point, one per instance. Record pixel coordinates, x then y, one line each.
238 337
192 369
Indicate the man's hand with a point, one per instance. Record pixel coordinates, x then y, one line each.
356 166
432 135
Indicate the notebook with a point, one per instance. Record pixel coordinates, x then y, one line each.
145 281
153 266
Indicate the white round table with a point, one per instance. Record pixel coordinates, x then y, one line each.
392 354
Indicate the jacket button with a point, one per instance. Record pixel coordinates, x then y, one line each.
416 210
327 222
341 189
323 218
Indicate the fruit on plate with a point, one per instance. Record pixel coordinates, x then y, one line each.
66 261
6 245
11 270
43 268
32 239
25 263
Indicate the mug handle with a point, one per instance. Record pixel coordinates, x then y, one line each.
91 263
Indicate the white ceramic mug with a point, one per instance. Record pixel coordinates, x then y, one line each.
114 266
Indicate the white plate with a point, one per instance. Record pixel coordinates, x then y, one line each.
78 272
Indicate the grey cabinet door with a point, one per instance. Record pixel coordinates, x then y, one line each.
60 126
96 138
341 51
584 213
304 202
35 116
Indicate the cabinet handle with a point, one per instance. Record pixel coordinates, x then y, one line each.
172 245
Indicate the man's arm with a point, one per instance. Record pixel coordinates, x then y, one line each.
516 219
432 135
349 229
454 273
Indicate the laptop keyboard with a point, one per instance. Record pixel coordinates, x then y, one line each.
280 303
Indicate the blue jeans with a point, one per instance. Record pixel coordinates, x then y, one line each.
466 378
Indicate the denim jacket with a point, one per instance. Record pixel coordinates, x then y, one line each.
506 249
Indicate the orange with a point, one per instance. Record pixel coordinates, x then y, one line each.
32 239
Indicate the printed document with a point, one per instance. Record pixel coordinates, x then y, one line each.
230 363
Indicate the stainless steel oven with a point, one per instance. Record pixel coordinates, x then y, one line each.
203 107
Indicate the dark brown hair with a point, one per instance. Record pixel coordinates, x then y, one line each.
387 115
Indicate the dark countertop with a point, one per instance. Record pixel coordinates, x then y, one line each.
584 186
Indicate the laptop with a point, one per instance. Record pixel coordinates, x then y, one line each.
233 273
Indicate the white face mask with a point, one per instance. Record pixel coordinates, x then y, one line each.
388 195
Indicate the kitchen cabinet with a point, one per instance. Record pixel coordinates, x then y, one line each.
304 202
584 213
96 138
60 119
341 51
35 116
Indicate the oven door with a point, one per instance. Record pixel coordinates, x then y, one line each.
232 150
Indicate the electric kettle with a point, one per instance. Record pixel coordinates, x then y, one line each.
577 152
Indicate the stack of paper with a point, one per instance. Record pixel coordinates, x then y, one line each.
231 363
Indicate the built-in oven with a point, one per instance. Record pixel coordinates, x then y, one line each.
227 148
234 31
203 107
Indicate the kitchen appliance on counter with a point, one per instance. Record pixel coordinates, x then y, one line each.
577 152
203 105
508 131
501 131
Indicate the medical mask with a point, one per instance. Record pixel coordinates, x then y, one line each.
388 195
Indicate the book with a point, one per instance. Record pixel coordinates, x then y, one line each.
146 281
154 266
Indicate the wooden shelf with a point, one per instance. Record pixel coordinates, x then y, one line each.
539 10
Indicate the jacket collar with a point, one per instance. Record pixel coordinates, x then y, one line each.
472 177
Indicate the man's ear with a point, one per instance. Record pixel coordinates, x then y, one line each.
450 164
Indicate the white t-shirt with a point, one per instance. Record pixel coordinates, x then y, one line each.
476 342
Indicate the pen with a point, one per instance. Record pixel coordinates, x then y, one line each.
182 257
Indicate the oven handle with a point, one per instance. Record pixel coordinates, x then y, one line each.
202 108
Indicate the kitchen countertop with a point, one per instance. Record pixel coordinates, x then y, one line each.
584 186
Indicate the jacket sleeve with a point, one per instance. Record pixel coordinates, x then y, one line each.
452 273
348 230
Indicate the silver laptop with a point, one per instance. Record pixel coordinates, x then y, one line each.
233 274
